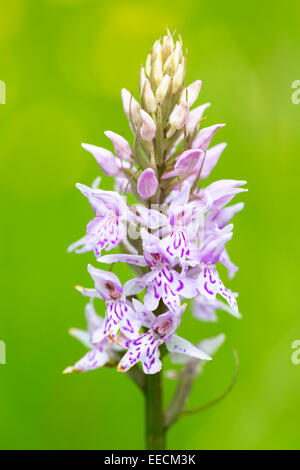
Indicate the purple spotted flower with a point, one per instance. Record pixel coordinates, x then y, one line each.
207 278
184 220
217 220
108 228
204 308
119 312
163 281
145 348
99 355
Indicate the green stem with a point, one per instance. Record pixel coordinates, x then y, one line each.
155 432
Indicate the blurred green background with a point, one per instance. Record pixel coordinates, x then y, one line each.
64 63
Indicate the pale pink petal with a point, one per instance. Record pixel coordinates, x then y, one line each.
105 159
182 346
195 117
211 159
147 184
150 217
131 107
204 138
185 163
138 260
121 146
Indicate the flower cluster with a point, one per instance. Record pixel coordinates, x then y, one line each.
174 234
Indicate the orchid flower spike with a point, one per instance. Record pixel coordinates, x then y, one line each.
162 220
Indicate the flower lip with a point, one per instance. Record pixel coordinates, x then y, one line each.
162 329
113 292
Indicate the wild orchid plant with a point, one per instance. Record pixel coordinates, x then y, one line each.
173 236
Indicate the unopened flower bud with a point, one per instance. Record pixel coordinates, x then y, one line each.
147 184
177 55
168 65
162 89
178 118
142 79
179 78
148 129
157 69
148 98
156 49
148 65
131 107
167 47
191 93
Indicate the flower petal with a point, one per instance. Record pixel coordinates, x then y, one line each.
205 136
146 316
182 346
137 260
82 336
121 146
147 184
195 117
87 292
105 281
226 261
148 129
205 310
222 191
94 359
152 296
211 159
185 163
152 365
105 159
133 286
150 217
224 216
131 107
94 321
178 118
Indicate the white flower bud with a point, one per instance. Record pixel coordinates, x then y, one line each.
142 79
148 98
178 118
162 89
148 65
167 47
156 49
177 55
168 66
179 77
157 69
190 94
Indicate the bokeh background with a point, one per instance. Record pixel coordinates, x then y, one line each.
64 63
